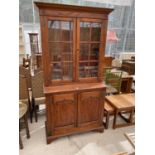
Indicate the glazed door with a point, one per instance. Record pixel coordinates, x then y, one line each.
60 49
90 108
91 44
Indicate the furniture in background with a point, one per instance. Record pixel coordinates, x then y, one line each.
107 64
108 110
126 84
128 66
133 84
23 114
73 45
34 43
113 81
39 60
21 43
122 103
34 48
116 63
108 61
38 96
126 81
126 55
27 61
26 73
24 94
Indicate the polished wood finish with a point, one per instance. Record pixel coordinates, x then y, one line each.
73 45
73 87
122 103
108 61
126 83
128 66
109 110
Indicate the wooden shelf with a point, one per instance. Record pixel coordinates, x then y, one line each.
73 87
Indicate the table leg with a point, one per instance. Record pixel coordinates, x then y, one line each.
131 116
115 119
107 120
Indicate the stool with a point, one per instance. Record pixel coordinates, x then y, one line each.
108 110
23 114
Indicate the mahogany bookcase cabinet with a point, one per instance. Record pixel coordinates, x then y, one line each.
73 44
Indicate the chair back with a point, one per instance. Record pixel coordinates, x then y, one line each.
23 89
37 85
114 78
26 73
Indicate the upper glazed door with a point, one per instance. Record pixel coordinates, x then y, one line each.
61 36
90 47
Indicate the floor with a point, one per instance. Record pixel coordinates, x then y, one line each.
90 143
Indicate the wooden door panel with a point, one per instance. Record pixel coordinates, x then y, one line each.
89 107
64 110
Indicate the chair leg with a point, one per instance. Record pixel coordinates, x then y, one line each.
30 111
20 142
26 126
35 110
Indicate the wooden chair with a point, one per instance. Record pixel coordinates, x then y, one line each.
37 92
24 94
26 73
113 81
108 110
23 114
27 61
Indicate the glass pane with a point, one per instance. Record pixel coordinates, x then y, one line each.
85 31
55 51
60 51
60 30
93 69
67 71
96 31
67 51
94 54
83 70
88 69
84 51
57 71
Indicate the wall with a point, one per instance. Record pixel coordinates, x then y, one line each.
121 20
